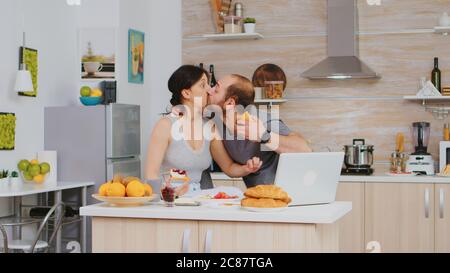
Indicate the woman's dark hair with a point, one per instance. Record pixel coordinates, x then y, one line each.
184 78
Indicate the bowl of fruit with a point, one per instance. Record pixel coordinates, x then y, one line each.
125 191
90 97
33 171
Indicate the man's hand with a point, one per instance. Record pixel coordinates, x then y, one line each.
177 111
250 128
253 165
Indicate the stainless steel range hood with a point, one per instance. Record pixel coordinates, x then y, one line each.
342 61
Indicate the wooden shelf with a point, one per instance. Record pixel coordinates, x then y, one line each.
268 101
436 98
237 36
438 112
442 30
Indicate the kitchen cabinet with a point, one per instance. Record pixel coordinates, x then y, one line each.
142 235
243 237
235 182
399 217
442 218
351 226
301 230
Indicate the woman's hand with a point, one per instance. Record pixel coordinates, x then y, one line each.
253 165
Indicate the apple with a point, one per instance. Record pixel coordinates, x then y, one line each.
85 91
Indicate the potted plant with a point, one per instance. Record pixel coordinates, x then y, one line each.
4 176
249 25
14 178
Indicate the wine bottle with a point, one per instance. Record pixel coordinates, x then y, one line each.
201 65
213 80
436 75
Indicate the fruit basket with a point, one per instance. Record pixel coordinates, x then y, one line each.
90 101
33 171
28 179
125 191
125 201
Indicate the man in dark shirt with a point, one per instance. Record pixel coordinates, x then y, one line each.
262 134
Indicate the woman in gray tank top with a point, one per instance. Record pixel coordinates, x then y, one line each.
181 142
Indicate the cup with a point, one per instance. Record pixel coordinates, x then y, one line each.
444 20
258 93
92 67
168 194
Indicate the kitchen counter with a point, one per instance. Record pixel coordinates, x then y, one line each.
379 176
320 214
208 228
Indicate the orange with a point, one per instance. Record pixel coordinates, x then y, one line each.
116 190
128 179
103 190
38 178
135 189
34 162
148 190
117 178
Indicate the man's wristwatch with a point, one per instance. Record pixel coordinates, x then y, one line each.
265 138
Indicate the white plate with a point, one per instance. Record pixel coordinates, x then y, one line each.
125 201
402 174
225 205
264 209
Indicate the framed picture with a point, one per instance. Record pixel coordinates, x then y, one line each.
29 57
136 51
98 53
8 131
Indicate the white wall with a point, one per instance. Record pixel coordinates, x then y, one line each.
162 57
51 27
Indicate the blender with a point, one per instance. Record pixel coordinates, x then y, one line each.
420 162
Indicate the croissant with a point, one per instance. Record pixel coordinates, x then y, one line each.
268 191
262 203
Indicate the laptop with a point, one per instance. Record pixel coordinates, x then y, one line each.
309 178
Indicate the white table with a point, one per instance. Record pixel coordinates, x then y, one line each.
18 190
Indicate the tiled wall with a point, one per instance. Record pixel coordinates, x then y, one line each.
396 41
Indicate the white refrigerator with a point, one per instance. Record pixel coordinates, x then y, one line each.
94 143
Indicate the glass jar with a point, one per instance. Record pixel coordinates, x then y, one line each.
273 89
232 24
398 162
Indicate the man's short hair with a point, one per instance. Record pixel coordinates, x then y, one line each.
242 91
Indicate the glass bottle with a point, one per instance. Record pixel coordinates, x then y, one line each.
436 75
446 132
213 80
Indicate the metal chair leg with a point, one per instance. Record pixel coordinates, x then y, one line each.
5 239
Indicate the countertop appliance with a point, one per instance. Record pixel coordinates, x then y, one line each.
421 161
444 155
94 143
358 158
